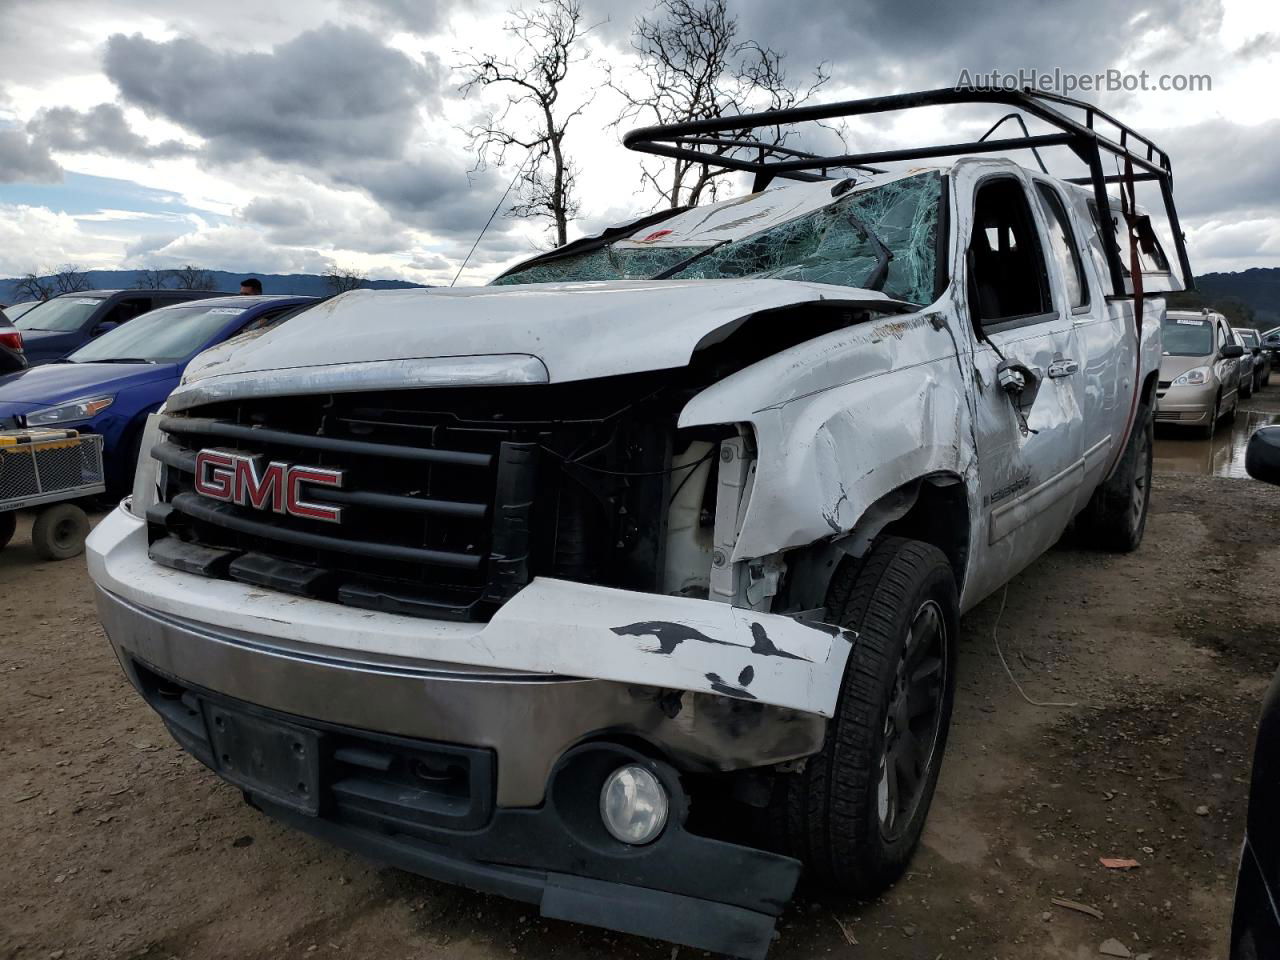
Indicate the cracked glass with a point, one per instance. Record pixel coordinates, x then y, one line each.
830 245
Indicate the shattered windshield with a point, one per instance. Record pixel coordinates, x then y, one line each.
842 243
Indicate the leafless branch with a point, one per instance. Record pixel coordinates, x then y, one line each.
694 67
341 279
192 278
533 119
153 279
35 286
69 278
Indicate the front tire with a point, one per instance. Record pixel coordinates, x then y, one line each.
855 813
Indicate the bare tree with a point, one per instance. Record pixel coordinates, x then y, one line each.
153 279
192 278
694 67
35 286
341 279
550 41
69 278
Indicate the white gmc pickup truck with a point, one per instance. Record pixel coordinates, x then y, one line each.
628 584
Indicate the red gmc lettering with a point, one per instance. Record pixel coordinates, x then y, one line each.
242 479
215 471
257 491
298 507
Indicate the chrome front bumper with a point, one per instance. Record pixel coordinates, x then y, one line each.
1187 406
328 663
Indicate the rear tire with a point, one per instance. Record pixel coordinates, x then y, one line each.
855 813
8 524
59 532
1116 517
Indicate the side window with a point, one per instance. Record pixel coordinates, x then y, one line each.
266 321
1007 278
128 308
1062 241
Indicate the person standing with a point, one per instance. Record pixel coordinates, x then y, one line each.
251 287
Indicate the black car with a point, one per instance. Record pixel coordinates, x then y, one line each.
1271 345
1255 925
61 324
12 355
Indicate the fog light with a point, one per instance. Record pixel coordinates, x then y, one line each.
633 805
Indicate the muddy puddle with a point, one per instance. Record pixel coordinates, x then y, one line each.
1181 451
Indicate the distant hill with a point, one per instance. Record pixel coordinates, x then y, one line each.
301 284
1257 288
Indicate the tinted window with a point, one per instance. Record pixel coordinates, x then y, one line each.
60 313
1062 242
1187 338
162 336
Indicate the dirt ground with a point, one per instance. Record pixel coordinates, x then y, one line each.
118 845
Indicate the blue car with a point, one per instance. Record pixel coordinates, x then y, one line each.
109 385
56 327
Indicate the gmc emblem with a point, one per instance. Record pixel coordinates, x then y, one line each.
243 479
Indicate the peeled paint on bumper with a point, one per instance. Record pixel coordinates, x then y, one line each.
551 627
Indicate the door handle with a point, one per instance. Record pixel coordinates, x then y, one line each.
1062 368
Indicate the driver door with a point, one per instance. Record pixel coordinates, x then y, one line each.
1030 441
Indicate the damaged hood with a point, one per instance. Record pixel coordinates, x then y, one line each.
530 333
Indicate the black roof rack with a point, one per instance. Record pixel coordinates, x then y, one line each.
726 142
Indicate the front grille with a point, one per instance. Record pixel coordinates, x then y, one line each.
451 500
1168 414
1164 384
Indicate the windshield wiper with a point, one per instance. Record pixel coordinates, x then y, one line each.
117 360
883 254
687 261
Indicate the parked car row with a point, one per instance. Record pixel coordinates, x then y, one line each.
119 375
1208 367
57 326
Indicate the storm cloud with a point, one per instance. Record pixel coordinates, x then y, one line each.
102 129
330 95
25 160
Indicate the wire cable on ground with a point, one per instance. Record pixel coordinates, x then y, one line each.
995 639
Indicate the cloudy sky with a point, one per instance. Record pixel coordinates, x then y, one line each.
291 135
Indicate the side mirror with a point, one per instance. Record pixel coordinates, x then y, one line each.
1020 382
1262 456
106 326
1231 351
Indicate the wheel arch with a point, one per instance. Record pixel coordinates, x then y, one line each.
933 509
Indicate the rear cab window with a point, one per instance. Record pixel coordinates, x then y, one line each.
1151 257
1063 246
